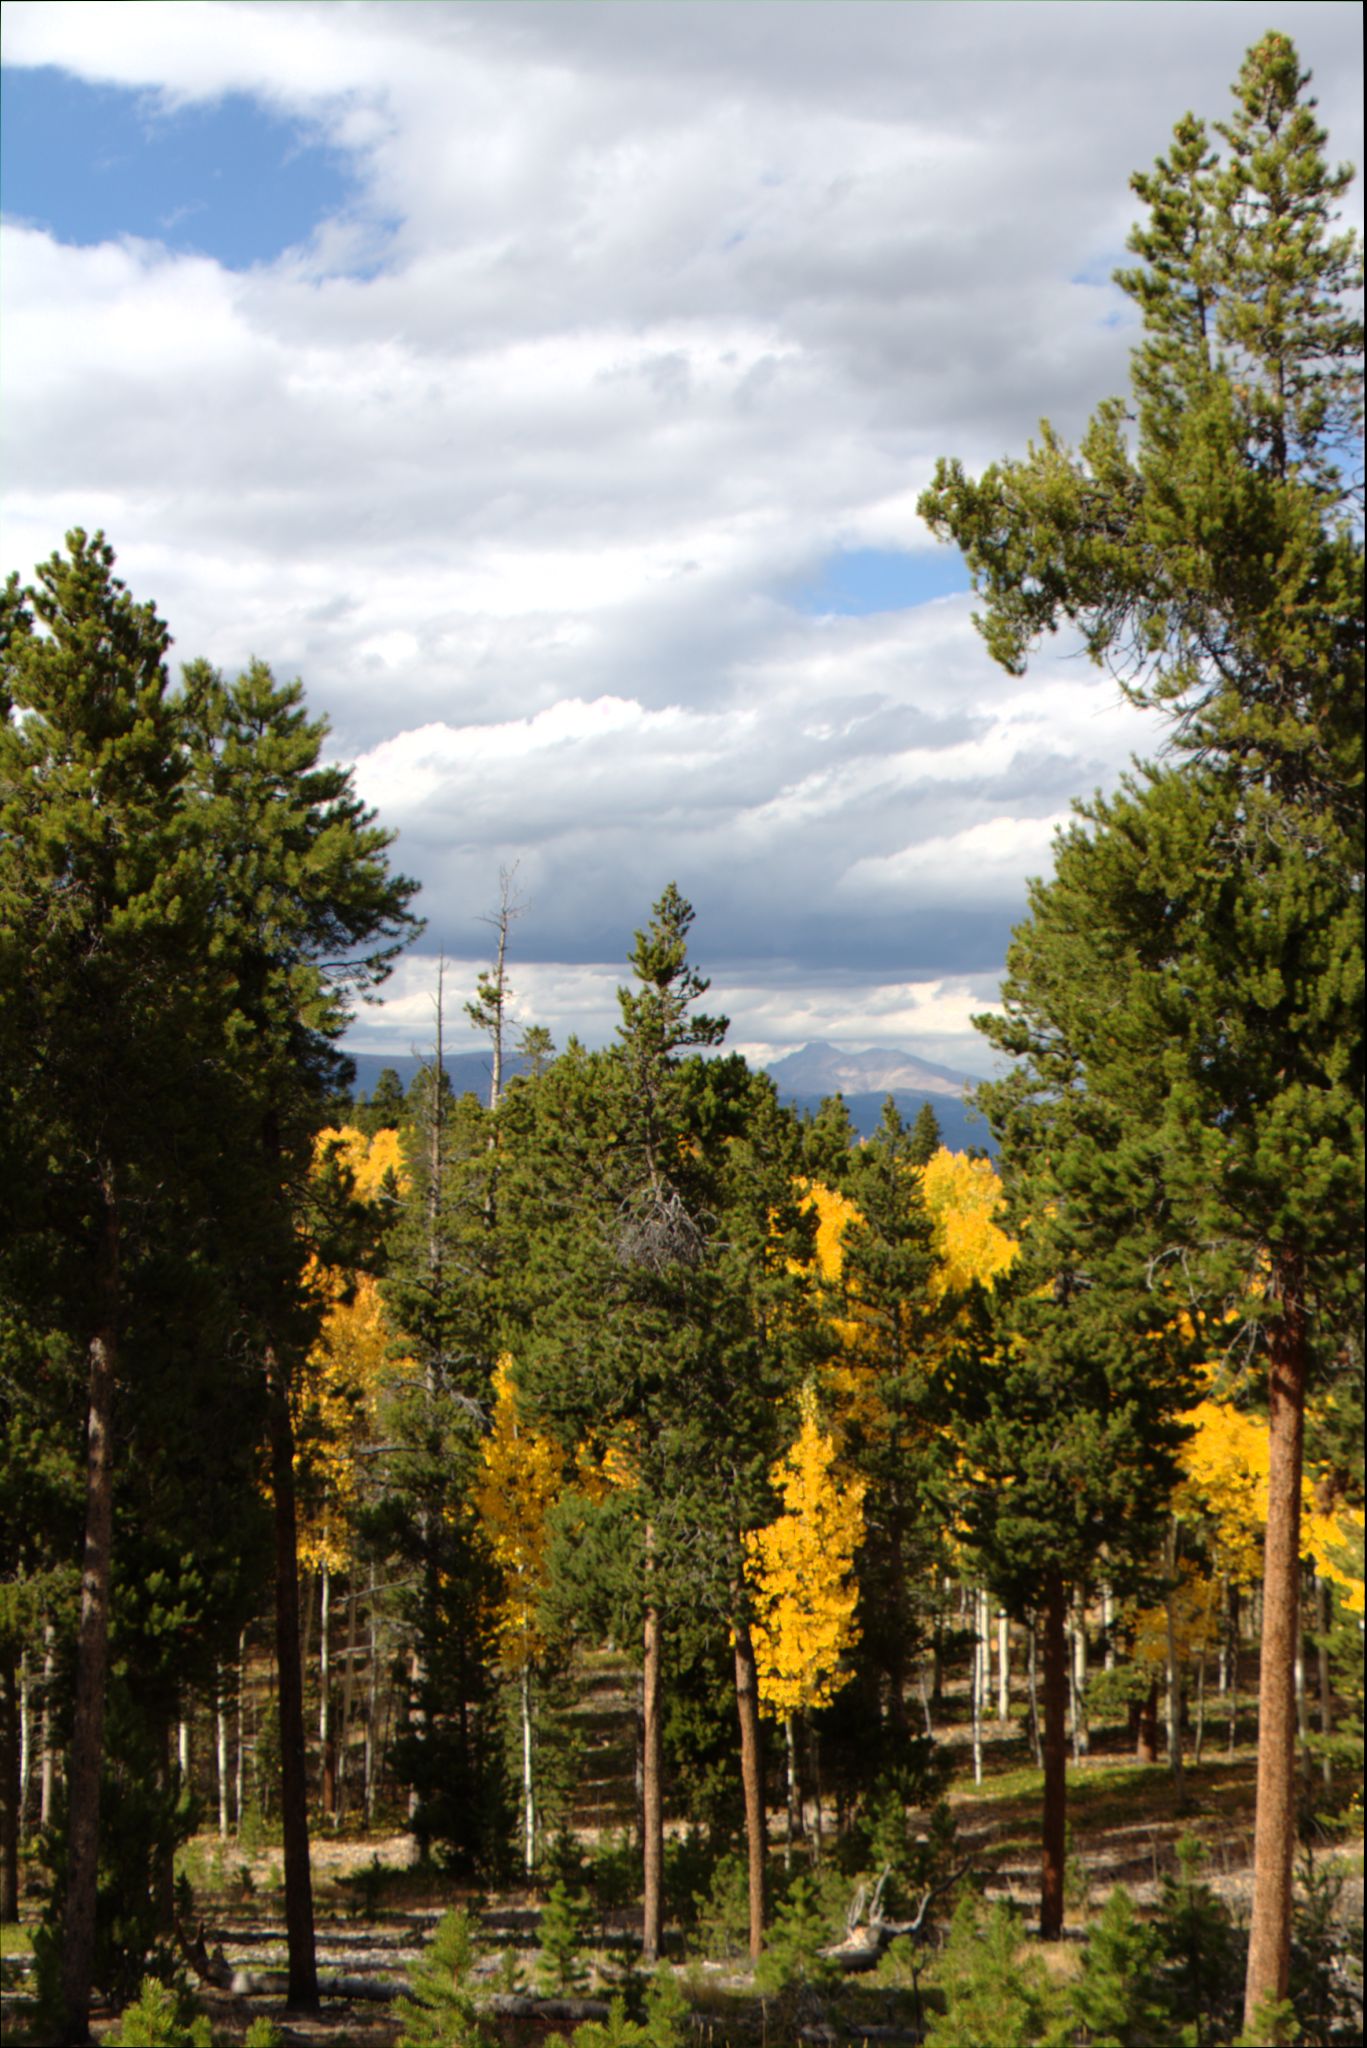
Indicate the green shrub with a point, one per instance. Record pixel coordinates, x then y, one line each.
792 1958
440 2011
163 2016
564 1917
1203 1952
722 1914
263 2033
995 1996
1118 1999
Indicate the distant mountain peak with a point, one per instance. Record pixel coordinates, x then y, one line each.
820 1068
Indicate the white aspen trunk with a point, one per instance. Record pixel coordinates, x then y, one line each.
1322 1616
814 1751
25 1744
221 1748
791 1833
348 1694
45 1782
1173 1702
1032 1692
183 1749
977 1693
1108 1624
241 1760
372 1681
1003 1667
528 1792
1081 1734
327 1785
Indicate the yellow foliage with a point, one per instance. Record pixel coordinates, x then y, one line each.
1225 1483
335 1401
964 1197
1195 1617
801 1572
517 1486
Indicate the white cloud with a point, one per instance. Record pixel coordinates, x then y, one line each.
639 314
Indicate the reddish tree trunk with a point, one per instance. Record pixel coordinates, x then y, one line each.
752 1781
1146 1736
1274 1837
92 1652
652 1800
294 1812
1055 1661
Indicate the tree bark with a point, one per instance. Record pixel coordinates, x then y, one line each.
1322 1618
794 1818
221 1748
1003 1667
1274 1838
294 1812
92 1652
241 1760
752 1779
1055 1747
528 1786
652 1791
1032 1691
1173 1669
327 1755
1146 1737
45 1783
11 1791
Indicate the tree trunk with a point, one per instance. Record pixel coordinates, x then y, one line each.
1274 1840
752 1779
241 1762
814 1751
1322 1618
1003 1668
976 1694
1032 1693
294 1810
652 1790
11 1793
343 1736
1108 1625
45 1783
528 1787
92 1653
1146 1738
1172 1668
1233 1667
794 1827
1055 1757
221 1748
1199 1742
25 1739
1077 1679
371 1702
327 1755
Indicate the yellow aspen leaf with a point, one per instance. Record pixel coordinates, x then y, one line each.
518 1483
800 1570
965 1197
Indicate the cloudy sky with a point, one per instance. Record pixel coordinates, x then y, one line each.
550 387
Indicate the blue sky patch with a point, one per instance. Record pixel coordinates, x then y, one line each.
224 178
859 581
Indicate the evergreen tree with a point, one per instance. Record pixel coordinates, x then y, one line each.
1217 563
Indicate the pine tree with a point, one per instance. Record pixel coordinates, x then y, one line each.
1216 563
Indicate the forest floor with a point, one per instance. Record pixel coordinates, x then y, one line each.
375 1908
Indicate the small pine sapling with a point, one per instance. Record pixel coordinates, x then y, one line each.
995 1996
440 2011
560 1967
1117 2000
